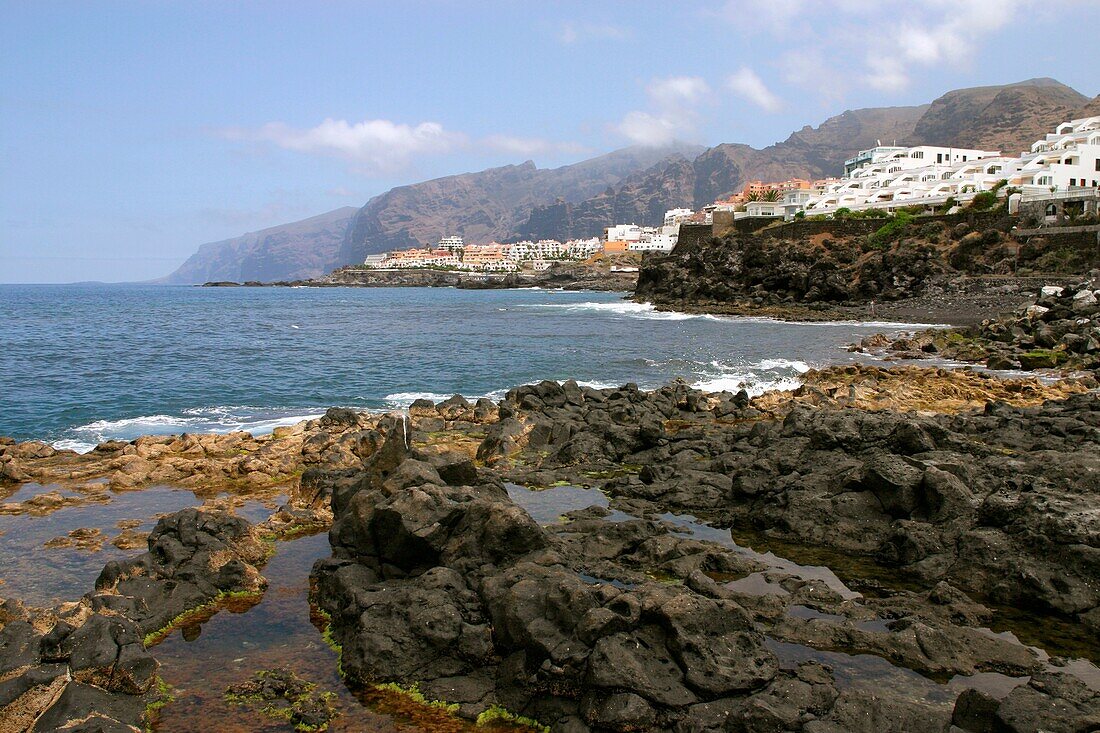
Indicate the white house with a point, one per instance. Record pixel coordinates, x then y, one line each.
454 244
623 233
1067 158
674 217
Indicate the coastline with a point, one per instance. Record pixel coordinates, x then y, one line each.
661 463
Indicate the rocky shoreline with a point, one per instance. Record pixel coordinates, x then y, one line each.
909 510
1058 329
564 276
957 269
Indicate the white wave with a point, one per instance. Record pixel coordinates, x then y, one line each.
145 421
214 419
751 383
768 364
404 399
619 308
649 311
80 446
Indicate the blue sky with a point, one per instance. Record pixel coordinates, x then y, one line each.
130 133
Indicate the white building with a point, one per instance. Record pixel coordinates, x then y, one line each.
375 261
928 175
623 233
673 217
658 241
453 244
892 177
582 249
795 200
1067 158
894 159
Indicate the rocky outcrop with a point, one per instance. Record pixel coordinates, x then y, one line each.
439 580
1060 329
486 205
836 269
85 666
942 498
208 461
564 275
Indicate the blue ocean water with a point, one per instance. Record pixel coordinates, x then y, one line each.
83 363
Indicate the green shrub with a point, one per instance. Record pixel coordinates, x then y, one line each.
890 231
984 201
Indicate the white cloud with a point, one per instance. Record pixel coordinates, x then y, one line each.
885 74
748 85
674 99
646 129
779 17
676 91
375 145
571 33
881 44
527 146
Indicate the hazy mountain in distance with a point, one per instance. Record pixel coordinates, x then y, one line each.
301 249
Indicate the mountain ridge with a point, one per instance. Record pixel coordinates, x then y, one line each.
634 184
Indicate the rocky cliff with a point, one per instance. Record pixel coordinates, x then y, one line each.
302 249
490 204
1007 118
631 185
814 270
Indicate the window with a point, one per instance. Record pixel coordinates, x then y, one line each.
1098 164
1052 210
939 157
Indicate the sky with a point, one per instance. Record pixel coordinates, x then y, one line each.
132 132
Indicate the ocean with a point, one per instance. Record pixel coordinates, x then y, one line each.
80 364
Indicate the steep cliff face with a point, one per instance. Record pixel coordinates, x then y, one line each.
812 152
1007 118
299 250
641 199
490 204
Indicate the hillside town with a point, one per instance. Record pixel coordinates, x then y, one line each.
1062 167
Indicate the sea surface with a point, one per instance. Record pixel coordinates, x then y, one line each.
80 364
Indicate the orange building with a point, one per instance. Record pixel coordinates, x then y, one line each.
615 247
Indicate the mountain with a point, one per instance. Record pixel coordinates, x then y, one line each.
631 185
642 197
302 249
489 204
1007 118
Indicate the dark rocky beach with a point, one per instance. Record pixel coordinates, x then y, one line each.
883 549
560 275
